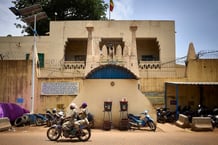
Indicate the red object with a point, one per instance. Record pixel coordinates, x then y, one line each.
111 5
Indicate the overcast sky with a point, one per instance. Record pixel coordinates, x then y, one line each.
195 20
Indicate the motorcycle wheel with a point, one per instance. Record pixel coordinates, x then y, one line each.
48 123
161 120
152 125
53 133
39 121
84 134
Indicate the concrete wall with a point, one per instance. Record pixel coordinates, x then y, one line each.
50 101
95 92
192 95
16 48
202 70
16 82
164 31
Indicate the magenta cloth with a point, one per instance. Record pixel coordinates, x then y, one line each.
12 111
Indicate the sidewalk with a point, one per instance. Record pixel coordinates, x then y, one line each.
172 128
167 127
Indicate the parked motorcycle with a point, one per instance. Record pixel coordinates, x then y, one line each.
28 119
142 120
56 131
203 111
187 111
53 117
164 115
214 117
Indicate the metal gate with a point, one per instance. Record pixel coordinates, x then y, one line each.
110 71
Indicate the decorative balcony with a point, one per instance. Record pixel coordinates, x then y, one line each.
153 65
119 62
74 68
72 65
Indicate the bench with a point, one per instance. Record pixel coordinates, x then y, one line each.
201 124
5 124
183 121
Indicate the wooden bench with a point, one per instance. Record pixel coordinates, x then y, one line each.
201 124
183 121
5 124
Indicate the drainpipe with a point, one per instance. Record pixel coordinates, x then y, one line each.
177 101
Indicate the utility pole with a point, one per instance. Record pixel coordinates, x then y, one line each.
30 15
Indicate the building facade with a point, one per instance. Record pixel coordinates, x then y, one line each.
94 62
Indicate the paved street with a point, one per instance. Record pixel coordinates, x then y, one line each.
166 134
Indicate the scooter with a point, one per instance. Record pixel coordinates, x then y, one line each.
142 120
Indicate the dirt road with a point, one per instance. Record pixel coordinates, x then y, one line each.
166 134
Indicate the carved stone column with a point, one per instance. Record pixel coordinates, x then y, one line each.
90 51
89 45
133 52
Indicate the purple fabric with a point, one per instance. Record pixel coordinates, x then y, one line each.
11 110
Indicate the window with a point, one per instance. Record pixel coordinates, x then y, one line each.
41 60
147 58
80 58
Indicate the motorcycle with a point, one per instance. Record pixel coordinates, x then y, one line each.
143 120
52 118
28 119
56 131
214 117
164 115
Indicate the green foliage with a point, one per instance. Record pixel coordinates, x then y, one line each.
63 10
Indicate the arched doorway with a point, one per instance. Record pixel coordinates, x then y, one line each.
112 82
110 71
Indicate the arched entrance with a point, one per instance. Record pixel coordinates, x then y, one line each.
110 71
112 82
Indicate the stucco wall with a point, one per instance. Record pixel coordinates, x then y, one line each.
15 84
164 31
96 91
203 70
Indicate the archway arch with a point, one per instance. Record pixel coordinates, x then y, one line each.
110 71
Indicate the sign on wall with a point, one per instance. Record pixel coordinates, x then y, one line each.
59 88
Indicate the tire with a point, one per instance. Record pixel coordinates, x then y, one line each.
39 121
160 119
19 121
152 125
53 134
48 123
92 124
25 119
84 134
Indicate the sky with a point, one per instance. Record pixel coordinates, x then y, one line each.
196 21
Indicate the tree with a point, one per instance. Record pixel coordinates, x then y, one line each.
63 10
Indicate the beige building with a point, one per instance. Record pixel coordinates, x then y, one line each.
199 87
93 61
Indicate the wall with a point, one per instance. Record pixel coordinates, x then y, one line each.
96 91
192 95
60 102
202 70
16 82
163 31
